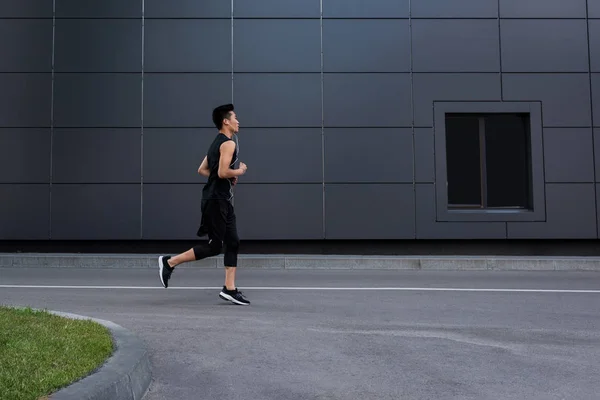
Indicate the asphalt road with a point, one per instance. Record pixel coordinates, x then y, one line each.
426 336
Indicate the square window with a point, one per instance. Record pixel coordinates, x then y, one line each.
478 173
489 164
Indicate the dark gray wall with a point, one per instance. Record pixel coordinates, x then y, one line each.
105 113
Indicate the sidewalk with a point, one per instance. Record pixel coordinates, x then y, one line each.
448 263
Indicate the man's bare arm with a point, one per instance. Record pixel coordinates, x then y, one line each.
203 170
225 172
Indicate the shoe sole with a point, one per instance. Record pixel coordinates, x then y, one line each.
227 297
160 271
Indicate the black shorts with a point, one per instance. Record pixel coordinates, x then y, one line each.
218 221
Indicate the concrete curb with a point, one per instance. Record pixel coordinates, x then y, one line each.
448 263
125 375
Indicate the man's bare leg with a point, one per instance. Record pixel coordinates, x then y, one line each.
230 278
230 292
230 262
167 264
182 258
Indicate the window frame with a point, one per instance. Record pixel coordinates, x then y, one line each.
445 214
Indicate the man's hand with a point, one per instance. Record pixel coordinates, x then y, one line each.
242 168
203 169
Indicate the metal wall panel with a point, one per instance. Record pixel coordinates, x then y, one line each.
364 100
568 155
26 44
597 152
184 100
20 203
26 8
383 45
543 8
24 155
277 99
428 88
98 9
171 211
565 97
279 211
593 9
551 45
187 9
594 35
454 9
348 153
571 214
449 45
98 45
96 211
97 100
96 155
597 208
424 155
596 98
188 144
25 100
366 9
260 43
369 211
281 155
276 9
169 47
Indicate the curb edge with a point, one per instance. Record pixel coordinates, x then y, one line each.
125 375
314 262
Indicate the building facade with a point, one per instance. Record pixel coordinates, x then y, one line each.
378 119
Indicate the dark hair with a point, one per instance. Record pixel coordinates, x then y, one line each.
220 113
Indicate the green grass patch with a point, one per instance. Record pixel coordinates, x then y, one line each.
41 352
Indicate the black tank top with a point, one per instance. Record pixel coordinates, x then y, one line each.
218 188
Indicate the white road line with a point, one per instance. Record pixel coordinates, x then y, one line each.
408 289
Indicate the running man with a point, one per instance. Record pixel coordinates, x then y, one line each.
218 216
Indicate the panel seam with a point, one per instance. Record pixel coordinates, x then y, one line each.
232 78
412 106
589 48
231 20
51 121
500 53
322 72
142 126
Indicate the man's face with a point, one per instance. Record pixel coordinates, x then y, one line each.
233 123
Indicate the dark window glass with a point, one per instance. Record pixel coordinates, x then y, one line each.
507 156
463 161
488 160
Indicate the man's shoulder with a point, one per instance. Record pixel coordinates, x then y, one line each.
218 142
220 139
227 145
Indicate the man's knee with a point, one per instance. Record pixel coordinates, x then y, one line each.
231 251
216 246
233 244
